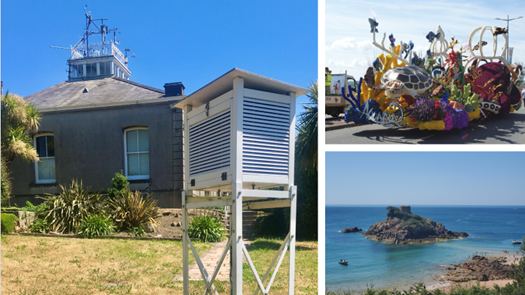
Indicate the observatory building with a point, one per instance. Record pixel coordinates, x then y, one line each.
98 123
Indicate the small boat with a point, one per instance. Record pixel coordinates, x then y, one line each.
343 262
516 242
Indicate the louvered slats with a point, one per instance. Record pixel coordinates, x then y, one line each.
210 144
266 137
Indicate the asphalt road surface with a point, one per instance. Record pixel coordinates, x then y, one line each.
498 129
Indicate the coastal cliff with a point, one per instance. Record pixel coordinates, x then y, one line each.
403 227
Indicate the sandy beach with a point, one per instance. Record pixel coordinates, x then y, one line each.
514 259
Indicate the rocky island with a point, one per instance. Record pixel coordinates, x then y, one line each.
352 230
404 227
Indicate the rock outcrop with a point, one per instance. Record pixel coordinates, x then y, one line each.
479 268
408 228
352 230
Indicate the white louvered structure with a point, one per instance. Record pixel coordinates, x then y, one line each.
265 143
239 141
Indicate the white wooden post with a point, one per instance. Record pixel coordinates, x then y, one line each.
291 154
293 195
293 215
185 261
236 164
237 243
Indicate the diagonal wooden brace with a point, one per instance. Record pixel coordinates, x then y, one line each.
252 266
204 273
218 266
254 271
283 247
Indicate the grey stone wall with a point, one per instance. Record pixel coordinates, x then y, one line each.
89 146
405 209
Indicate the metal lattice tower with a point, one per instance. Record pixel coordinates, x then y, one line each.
96 60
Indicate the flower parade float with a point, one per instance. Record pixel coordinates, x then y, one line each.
442 90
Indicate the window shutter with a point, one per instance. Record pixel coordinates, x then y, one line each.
265 142
210 144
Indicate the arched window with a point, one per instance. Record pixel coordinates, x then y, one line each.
45 148
136 152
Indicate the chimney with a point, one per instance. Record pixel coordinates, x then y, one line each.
174 89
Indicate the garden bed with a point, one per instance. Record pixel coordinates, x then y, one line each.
169 227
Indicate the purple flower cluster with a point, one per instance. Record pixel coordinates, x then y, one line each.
424 110
459 117
447 118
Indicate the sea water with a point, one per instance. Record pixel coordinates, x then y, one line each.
491 230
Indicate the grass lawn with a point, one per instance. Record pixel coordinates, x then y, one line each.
48 265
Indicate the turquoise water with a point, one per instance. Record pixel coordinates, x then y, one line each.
491 231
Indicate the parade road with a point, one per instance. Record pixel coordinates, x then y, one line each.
497 129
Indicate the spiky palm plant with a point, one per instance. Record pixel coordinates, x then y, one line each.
19 120
306 167
306 145
132 209
65 211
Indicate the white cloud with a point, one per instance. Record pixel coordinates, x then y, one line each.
349 43
348 30
339 66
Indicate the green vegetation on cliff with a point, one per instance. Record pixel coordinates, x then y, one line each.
410 220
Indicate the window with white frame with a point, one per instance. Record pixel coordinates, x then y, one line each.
136 149
45 148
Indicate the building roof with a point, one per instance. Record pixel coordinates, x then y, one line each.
94 93
224 84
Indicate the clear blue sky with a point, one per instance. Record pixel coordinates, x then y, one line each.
189 41
425 178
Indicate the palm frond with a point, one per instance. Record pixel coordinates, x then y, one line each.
306 144
33 117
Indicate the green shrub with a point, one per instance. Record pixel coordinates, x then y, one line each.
132 210
40 210
8 222
39 226
137 231
119 184
5 183
206 228
28 207
93 226
65 211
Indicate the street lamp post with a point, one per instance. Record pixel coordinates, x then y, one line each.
508 20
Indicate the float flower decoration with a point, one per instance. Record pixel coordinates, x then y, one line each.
434 91
370 112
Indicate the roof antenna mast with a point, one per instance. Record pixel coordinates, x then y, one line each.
89 60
